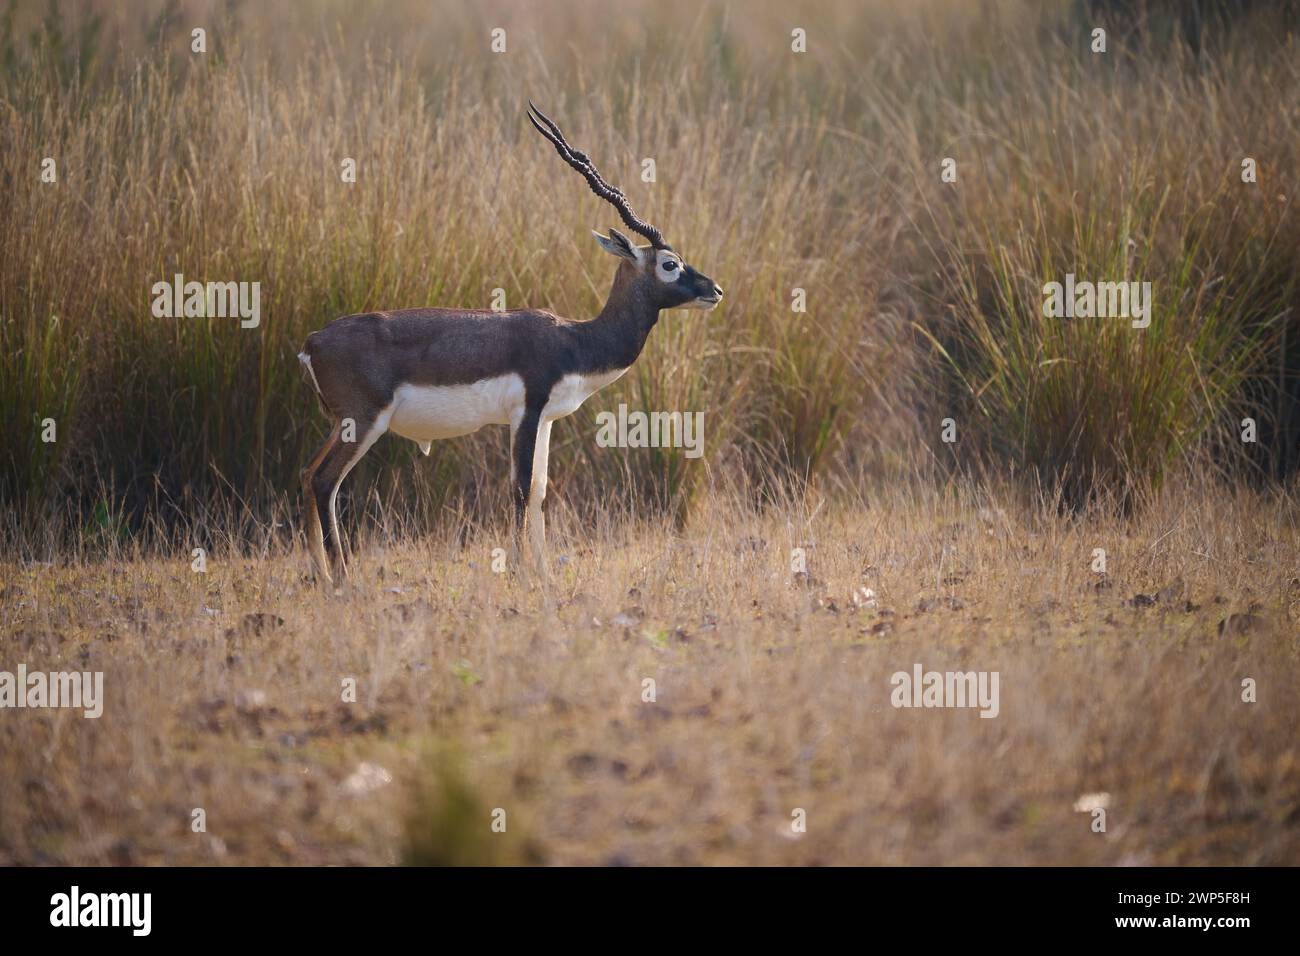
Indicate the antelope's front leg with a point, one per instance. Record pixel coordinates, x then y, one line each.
530 452
537 496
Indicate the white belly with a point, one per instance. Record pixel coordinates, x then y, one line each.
571 391
426 413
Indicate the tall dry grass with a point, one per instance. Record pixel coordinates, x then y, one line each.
775 171
1131 174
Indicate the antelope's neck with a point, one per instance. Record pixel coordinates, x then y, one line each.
617 335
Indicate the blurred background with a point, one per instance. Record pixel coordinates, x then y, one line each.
775 171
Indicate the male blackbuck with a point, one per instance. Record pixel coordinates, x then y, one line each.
426 374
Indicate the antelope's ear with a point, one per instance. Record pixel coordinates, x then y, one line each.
617 244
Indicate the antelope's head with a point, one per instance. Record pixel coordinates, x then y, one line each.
655 272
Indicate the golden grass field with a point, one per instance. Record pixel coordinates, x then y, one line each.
475 692
479 691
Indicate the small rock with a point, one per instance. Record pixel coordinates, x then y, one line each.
367 778
1239 624
250 701
582 764
1092 801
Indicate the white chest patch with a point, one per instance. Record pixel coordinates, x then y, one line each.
426 413
571 391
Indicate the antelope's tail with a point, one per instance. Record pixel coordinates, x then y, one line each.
310 374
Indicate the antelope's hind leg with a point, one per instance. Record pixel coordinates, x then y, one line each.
311 508
335 461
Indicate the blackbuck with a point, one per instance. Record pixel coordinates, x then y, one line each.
427 374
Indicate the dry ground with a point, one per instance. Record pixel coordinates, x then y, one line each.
224 693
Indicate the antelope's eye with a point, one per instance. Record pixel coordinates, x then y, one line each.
669 266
